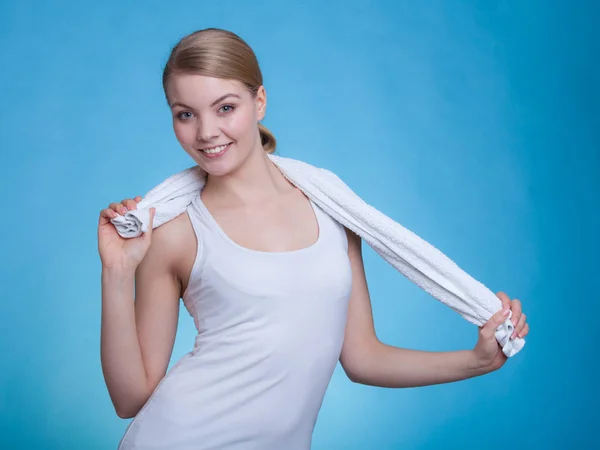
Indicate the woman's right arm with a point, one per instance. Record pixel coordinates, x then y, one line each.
138 330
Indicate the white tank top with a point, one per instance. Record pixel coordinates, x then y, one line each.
270 332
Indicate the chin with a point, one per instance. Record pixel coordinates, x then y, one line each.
217 170
221 166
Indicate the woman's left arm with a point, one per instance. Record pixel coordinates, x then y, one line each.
367 360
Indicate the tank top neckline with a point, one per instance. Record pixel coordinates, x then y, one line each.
204 210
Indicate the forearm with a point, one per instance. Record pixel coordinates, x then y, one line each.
121 356
394 367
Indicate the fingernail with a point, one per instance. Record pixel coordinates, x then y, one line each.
506 311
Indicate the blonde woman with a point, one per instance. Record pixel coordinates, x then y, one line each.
276 287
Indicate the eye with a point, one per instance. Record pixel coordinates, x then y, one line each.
184 115
229 109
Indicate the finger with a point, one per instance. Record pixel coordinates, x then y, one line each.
517 310
118 207
129 204
518 323
519 326
105 216
505 299
138 199
525 331
108 214
489 329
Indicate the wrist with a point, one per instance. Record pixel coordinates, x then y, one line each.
480 366
116 274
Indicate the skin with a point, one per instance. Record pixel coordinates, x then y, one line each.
243 188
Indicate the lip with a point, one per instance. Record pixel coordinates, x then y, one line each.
216 155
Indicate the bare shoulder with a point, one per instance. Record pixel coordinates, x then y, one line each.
173 248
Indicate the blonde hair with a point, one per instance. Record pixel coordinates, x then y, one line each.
217 53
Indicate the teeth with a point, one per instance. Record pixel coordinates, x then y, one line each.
216 149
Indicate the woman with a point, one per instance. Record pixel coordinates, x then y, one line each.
276 287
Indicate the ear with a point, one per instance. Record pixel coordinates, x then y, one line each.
261 103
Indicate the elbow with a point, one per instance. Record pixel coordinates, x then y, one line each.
129 409
356 376
126 413
360 363
356 370
355 379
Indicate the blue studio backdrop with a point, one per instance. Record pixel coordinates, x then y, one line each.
473 123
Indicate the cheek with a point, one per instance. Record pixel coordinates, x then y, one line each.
183 132
241 125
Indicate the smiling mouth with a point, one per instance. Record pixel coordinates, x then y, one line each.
215 150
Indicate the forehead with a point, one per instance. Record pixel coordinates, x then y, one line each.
201 90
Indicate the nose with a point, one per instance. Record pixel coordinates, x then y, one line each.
207 130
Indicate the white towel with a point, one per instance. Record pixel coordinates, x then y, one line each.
412 256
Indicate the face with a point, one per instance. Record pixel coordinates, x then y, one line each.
216 120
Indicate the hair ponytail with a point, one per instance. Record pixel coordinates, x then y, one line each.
267 139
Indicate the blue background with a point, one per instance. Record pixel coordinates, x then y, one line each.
473 123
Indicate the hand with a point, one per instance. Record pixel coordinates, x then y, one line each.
518 317
488 352
118 252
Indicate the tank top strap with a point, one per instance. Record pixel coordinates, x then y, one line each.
332 231
202 232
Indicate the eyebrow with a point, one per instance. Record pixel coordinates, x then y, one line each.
220 99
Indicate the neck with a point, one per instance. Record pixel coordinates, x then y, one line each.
256 180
